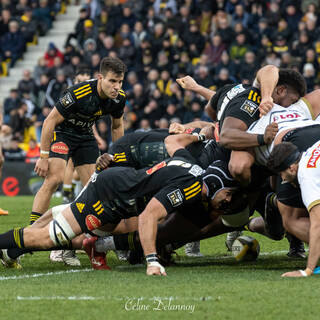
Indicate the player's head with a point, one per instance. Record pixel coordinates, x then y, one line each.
290 88
83 73
219 185
284 159
111 76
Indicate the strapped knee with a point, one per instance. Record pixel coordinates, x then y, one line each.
60 231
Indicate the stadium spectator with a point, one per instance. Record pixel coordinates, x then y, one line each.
43 14
33 152
239 48
89 32
309 73
4 21
12 43
51 54
214 49
19 122
28 25
27 83
14 152
10 104
56 87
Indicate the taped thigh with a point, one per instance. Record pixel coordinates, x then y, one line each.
60 231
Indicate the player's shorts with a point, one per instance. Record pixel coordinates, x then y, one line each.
81 150
91 213
303 138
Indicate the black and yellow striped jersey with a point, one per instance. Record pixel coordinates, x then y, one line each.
81 106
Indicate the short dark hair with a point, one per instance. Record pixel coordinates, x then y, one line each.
280 156
83 69
112 64
292 79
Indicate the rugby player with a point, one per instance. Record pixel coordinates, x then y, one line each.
68 256
67 131
301 169
120 193
236 108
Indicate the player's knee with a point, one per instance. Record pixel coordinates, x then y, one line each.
39 238
52 182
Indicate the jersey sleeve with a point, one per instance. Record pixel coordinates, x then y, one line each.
245 111
119 104
66 103
173 197
215 98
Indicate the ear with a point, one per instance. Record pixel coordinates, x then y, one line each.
281 90
99 76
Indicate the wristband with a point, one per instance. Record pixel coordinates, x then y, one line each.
44 154
201 137
260 139
152 257
307 272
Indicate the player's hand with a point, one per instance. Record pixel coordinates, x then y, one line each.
265 106
270 132
292 274
176 128
187 83
42 167
155 269
102 145
104 161
208 131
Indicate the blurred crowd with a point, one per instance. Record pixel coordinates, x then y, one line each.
216 42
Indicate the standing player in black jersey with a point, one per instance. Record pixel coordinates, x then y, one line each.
120 193
67 131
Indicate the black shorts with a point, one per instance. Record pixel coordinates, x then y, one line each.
81 150
90 212
303 138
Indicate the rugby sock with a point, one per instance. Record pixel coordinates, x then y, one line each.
105 244
12 239
126 241
34 216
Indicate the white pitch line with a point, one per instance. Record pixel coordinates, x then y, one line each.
38 275
155 298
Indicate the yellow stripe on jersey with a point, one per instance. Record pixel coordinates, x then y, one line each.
121 92
81 88
193 190
82 95
100 211
193 194
120 156
192 186
82 91
96 204
120 160
99 207
313 204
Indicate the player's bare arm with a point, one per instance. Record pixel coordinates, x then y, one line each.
313 98
188 83
53 119
233 135
181 128
266 79
148 224
117 129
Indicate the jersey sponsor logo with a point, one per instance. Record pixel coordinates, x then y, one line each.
116 100
156 167
312 162
60 147
175 197
80 206
293 115
179 163
249 107
67 100
92 222
79 123
196 171
98 113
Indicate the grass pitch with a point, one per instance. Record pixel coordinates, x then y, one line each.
212 287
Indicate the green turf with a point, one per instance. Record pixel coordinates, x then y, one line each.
213 287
